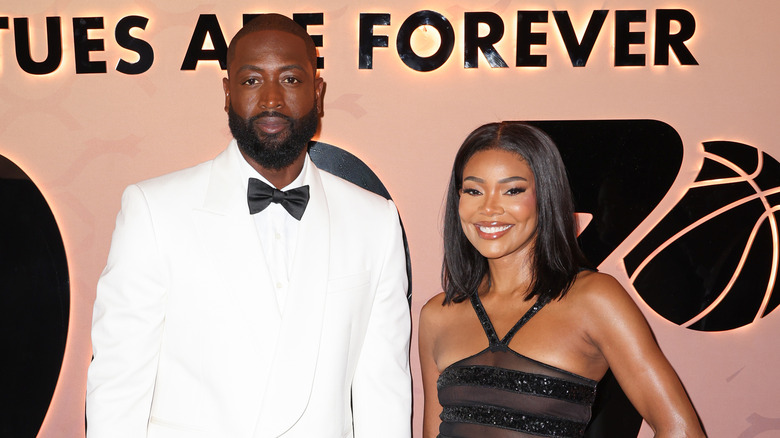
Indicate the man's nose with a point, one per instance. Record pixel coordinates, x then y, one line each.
271 96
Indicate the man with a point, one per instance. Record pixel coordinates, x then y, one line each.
213 322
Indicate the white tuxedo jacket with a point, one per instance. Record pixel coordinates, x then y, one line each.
188 340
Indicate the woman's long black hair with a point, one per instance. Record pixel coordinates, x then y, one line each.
557 257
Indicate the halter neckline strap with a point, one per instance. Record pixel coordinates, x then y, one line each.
487 325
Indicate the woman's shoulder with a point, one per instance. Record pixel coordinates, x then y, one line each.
601 301
434 307
436 313
436 300
594 285
432 319
598 292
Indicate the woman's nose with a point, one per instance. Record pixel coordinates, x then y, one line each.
492 205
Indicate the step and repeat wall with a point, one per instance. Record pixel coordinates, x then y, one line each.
665 113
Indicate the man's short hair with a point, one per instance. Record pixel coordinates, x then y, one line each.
276 22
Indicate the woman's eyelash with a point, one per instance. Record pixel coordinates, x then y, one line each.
515 191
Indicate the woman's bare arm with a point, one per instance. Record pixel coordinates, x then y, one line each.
618 328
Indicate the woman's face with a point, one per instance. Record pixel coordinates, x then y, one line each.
498 204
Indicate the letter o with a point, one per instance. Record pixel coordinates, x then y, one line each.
404 41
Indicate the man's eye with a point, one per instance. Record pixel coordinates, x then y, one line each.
291 80
251 81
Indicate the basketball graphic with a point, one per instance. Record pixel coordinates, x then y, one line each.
711 263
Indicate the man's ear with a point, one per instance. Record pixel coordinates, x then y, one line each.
226 89
319 94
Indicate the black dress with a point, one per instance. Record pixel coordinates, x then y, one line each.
498 393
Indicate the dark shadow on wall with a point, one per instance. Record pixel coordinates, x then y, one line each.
34 303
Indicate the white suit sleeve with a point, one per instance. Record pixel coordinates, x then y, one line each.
127 326
381 390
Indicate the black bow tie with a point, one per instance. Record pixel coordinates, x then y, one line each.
260 195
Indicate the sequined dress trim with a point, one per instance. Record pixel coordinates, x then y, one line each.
513 420
518 381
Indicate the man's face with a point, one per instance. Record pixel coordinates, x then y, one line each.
272 97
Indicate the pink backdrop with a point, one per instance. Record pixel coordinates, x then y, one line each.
83 137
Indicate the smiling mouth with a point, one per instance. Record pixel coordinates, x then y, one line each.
493 229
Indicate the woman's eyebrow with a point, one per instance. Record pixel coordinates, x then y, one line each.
511 179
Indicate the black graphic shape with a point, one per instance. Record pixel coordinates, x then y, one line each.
711 263
619 171
34 303
346 166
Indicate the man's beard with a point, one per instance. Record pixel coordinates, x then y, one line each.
273 151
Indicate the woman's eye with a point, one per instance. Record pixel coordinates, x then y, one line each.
515 191
472 192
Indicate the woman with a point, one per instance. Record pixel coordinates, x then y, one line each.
523 331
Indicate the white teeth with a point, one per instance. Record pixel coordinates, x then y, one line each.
493 230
